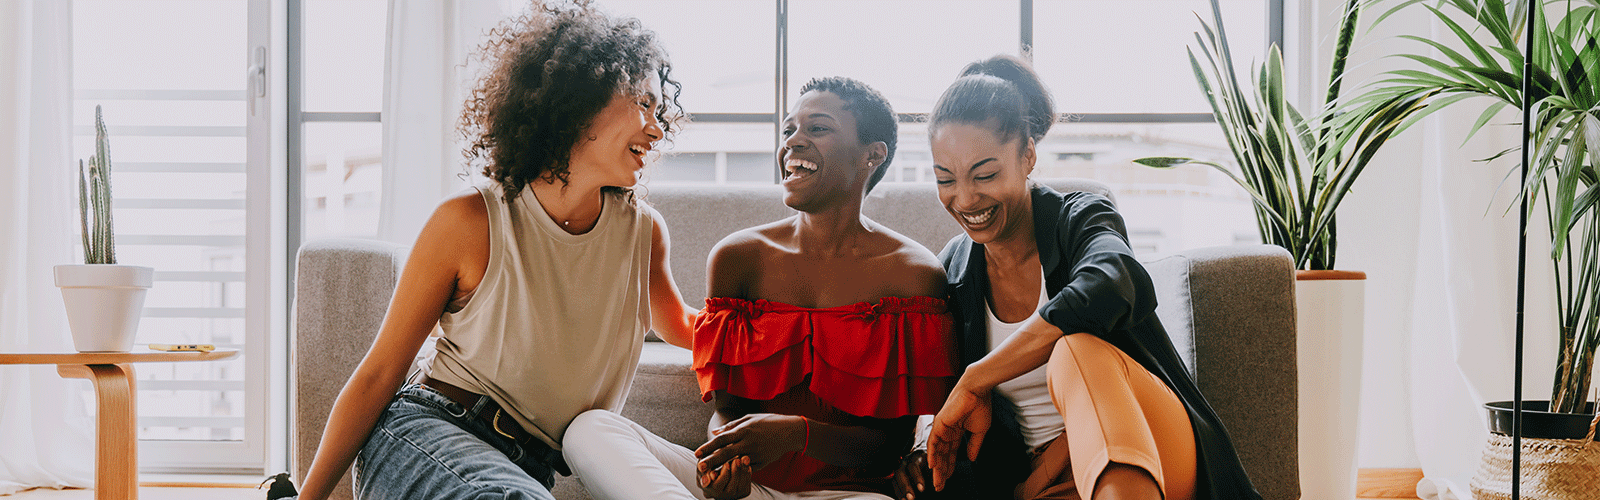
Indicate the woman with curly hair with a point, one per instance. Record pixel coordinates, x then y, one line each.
543 282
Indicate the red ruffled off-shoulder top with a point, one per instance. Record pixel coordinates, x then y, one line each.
889 359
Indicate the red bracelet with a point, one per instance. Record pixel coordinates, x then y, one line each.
807 444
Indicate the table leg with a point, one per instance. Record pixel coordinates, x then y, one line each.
116 475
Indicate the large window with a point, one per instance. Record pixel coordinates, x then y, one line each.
337 130
191 182
1117 68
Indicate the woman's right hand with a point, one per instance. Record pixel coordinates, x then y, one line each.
964 419
913 476
729 482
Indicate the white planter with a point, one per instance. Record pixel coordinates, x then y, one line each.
1329 311
104 303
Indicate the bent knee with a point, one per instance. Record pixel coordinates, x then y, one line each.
591 423
1084 354
595 417
1085 344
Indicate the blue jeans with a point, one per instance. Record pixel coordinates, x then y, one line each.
427 446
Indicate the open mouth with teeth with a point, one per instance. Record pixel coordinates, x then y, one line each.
638 150
795 168
979 218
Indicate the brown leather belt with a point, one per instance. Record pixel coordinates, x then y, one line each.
503 424
491 413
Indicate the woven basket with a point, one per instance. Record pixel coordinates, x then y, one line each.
1552 469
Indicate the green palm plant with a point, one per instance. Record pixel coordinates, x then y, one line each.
94 199
1297 167
1565 132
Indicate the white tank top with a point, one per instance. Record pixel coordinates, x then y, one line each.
1029 393
556 325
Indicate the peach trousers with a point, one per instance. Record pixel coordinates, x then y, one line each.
1115 411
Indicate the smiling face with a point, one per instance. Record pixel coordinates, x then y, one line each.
983 180
612 150
822 156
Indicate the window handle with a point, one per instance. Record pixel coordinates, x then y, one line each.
256 78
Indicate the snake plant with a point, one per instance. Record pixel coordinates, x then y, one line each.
1297 167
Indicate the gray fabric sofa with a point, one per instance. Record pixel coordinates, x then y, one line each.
1230 311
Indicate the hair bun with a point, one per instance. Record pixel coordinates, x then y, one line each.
1040 107
1003 66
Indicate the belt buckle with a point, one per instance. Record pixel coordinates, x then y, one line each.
495 423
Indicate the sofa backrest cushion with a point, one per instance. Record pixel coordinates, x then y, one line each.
342 291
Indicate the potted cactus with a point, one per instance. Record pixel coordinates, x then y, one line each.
104 299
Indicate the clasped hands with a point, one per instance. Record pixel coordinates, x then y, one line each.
962 421
753 441
744 445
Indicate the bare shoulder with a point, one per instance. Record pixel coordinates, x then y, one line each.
741 244
461 215
734 262
920 268
658 226
752 241
455 242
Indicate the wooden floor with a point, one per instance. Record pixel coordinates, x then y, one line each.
1387 483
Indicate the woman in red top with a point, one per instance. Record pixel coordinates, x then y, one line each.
822 342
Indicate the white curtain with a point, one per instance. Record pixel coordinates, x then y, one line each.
1464 318
426 79
1436 232
1430 226
37 229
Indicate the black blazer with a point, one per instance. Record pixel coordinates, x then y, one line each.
1095 287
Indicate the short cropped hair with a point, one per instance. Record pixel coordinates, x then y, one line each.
875 119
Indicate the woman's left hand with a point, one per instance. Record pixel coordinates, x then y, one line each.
962 422
764 437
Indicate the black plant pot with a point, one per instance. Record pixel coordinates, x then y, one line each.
1538 423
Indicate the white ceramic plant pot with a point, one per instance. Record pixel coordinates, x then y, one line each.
104 303
1329 311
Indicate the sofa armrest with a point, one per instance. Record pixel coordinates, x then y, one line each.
1240 322
342 289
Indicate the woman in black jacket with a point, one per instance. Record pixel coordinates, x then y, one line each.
1072 389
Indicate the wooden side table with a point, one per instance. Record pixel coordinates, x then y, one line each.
116 474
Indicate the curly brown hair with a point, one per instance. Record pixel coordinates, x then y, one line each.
550 72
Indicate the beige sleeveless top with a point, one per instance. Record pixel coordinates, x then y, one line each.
556 326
